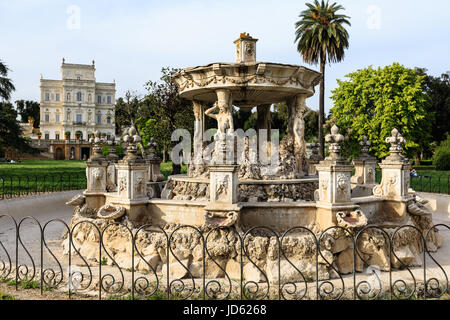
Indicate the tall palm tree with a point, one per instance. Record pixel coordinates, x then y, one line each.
6 86
321 36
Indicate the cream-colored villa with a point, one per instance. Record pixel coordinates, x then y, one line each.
77 103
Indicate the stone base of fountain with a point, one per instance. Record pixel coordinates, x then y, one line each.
182 187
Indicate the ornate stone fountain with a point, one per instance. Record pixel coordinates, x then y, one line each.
220 192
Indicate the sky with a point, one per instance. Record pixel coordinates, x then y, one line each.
132 40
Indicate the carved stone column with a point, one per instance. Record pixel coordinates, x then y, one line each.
96 174
199 125
365 168
131 180
395 181
314 158
113 158
154 176
395 170
334 193
264 118
296 128
224 123
223 209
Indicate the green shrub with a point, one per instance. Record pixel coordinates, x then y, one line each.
441 159
426 162
105 150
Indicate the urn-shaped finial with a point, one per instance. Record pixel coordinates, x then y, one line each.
335 138
396 141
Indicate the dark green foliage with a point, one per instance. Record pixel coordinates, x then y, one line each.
6 85
372 102
29 109
10 130
438 91
441 159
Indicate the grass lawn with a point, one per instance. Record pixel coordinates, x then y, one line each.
36 176
42 167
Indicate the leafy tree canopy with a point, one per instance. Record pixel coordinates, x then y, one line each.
438 91
10 130
29 109
374 101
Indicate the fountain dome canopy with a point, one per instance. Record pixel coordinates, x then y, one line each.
251 83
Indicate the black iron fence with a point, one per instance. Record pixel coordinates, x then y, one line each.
427 181
12 186
52 272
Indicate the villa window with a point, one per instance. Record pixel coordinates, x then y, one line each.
57 97
99 119
57 136
108 120
47 118
57 118
99 99
79 119
47 96
47 136
109 99
78 96
78 78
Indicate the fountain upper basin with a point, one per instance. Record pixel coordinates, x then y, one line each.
251 84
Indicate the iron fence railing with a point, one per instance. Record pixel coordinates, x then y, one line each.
12 186
98 277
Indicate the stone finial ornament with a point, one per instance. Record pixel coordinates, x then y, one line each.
365 144
97 142
314 147
335 138
396 141
112 156
131 138
152 150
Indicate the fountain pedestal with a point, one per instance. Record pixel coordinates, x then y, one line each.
223 209
96 174
365 168
394 184
334 193
131 191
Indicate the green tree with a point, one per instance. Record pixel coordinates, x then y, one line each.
10 130
164 104
29 109
374 101
438 91
128 110
321 37
6 85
